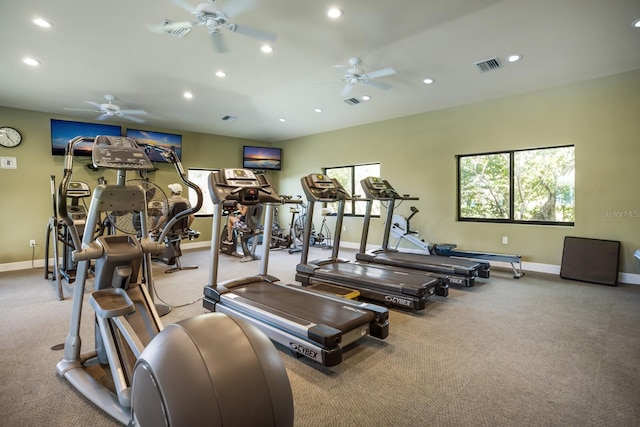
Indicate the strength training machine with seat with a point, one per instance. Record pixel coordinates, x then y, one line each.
173 241
307 322
393 287
142 373
248 238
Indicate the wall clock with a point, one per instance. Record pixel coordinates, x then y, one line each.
9 137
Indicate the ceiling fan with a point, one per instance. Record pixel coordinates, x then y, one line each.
109 109
215 20
356 75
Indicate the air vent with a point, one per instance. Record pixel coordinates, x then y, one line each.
178 32
229 118
352 101
488 65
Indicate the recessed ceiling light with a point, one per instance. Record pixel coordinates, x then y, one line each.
514 58
221 73
366 97
283 120
334 12
31 61
188 95
42 23
428 81
318 110
636 23
266 48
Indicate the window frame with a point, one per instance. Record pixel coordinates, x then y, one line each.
511 218
352 189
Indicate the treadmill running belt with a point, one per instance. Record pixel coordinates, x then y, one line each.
439 264
377 278
313 308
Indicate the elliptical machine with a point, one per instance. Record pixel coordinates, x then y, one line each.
185 374
60 231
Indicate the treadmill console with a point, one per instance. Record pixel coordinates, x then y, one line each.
378 189
119 152
242 186
321 188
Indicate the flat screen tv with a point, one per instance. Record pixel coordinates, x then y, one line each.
167 140
62 131
262 158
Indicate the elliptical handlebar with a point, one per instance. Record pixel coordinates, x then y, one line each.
172 157
63 212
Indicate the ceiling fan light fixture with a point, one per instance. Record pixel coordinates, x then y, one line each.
42 23
31 61
334 12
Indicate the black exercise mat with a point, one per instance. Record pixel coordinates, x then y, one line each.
590 260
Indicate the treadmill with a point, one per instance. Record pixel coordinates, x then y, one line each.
457 271
393 287
310 323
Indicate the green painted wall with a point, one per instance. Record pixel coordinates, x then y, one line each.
26 205
417 155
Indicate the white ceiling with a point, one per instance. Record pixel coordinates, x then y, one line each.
108 47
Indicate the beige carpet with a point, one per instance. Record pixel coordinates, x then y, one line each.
539 351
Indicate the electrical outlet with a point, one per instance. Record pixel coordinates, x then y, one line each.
32 243
505 240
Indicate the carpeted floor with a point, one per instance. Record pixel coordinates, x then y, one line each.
539 351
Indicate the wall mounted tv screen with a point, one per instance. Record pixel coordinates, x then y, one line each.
62 131
265 158
167 140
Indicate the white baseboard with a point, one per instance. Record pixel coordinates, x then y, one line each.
629 278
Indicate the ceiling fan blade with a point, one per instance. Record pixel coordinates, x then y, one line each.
132 118
140 112
347 89
219 44
381 73
95 104
184 5
236 7
379 85
253 32
81 109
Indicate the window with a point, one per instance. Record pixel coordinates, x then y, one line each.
200 177
533 186
350 177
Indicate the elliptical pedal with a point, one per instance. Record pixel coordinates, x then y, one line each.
111 302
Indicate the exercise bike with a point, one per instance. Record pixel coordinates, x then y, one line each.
278 238
185 374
